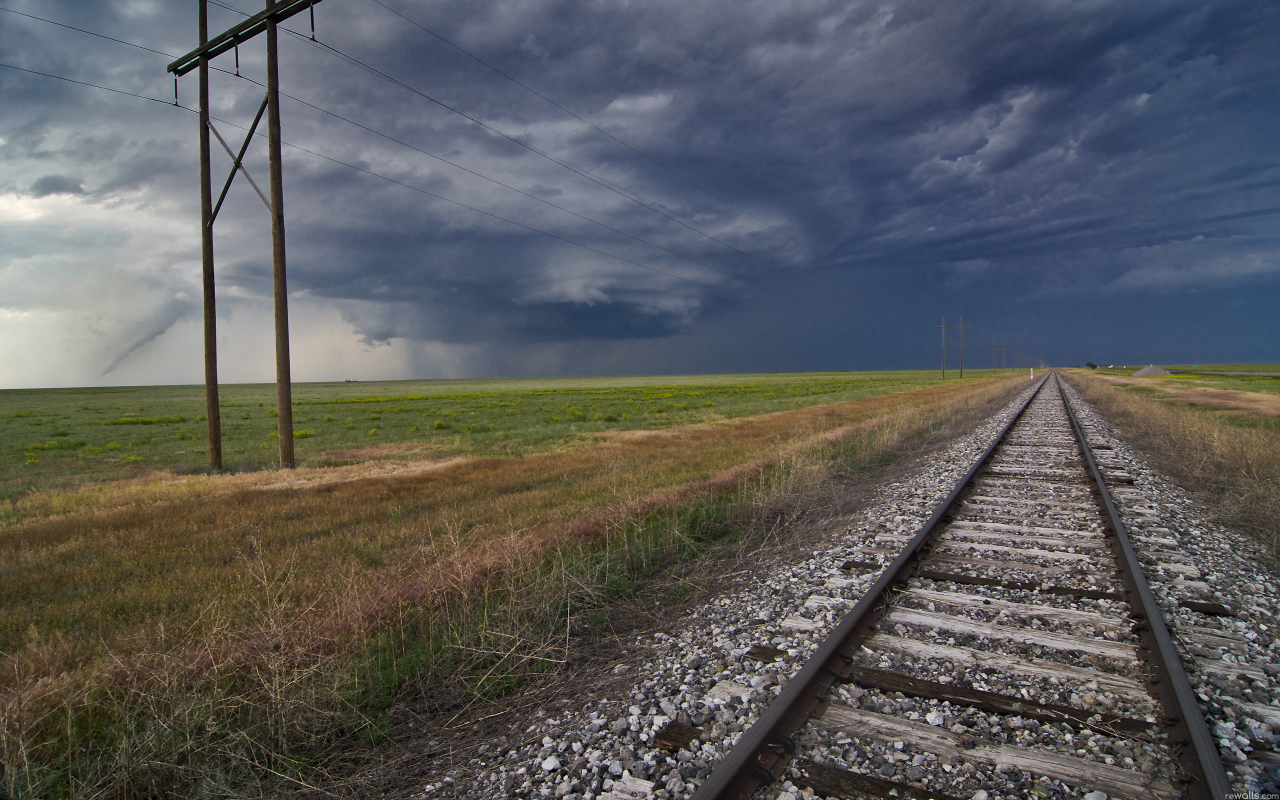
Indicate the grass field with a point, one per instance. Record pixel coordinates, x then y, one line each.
1203 375
177 633
66 437
1242 401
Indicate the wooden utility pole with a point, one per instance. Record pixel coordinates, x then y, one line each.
276 11
284 388
213 410
962 326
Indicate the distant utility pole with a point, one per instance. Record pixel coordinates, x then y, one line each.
1003 348
944 326
276 11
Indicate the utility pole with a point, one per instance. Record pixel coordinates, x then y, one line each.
284 386
943 326
213 408
276 11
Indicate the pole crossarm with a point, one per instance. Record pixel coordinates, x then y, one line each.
238 165
251 27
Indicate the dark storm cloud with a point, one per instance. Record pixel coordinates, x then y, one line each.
1009 161
46 185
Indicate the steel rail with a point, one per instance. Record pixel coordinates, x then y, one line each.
763 752
1205 777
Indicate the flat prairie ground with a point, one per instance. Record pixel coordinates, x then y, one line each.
432 526
62 438
391 469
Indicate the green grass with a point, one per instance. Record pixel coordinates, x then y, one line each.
61 438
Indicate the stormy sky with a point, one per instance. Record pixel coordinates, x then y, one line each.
537 188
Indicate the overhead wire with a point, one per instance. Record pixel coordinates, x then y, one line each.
559 207
588 175
644 155
567 165
366 67
82 30
429 193
603 183
633 149
397 141
93 85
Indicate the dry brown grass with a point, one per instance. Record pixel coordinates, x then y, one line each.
160 633
1235 470
1231 401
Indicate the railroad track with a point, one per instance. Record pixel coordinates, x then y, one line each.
1018 610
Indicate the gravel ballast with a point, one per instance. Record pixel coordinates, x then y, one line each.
698 673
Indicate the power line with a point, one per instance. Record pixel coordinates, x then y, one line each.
644 202
96 86
430 155
425 192
528 88
119 41
583 217
571 167
646 156
603 183
582 172
451 163
82 30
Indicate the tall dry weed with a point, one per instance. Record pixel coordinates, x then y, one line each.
205 716
1234 470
